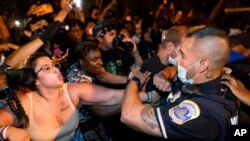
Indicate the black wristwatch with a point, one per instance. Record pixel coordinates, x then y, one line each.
137 80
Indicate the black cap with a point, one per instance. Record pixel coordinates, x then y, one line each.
102 27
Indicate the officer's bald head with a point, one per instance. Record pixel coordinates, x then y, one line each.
211 43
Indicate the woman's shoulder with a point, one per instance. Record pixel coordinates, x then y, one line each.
25 101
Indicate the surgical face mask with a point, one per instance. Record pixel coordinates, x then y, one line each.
172 61
182 74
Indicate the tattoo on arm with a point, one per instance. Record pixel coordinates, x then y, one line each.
148 116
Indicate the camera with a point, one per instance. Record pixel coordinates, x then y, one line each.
119 44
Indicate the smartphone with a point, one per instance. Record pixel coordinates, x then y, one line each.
44 9
77 3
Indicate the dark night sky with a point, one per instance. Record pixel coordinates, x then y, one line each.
18 8
138 6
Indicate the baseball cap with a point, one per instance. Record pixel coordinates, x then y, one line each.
102 27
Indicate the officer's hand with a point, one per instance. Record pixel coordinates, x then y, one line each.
161 82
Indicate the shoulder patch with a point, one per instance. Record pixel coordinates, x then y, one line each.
185 111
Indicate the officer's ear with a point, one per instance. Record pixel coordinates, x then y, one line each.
203 65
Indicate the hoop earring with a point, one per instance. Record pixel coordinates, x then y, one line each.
208 75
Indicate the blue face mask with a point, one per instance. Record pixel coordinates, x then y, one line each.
182 74
172 61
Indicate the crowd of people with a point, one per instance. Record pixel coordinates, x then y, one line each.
79 77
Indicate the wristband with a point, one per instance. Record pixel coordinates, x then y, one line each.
137 80
3 131
150 97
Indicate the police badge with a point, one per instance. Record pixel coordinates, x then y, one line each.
185 111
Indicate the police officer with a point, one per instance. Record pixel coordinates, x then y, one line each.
196 108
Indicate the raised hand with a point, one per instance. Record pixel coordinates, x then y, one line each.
66 5
143 77
8 46
237 88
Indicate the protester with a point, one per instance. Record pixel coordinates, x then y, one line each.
237 88
58 99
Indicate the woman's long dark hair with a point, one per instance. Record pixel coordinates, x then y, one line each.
25 77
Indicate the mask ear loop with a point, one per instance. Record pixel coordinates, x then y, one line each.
194 65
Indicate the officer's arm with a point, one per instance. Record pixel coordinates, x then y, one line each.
137 115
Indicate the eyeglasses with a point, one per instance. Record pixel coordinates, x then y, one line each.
49 68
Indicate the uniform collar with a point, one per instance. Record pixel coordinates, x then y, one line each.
211 87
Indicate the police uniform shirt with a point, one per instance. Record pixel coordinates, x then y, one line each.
186 116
